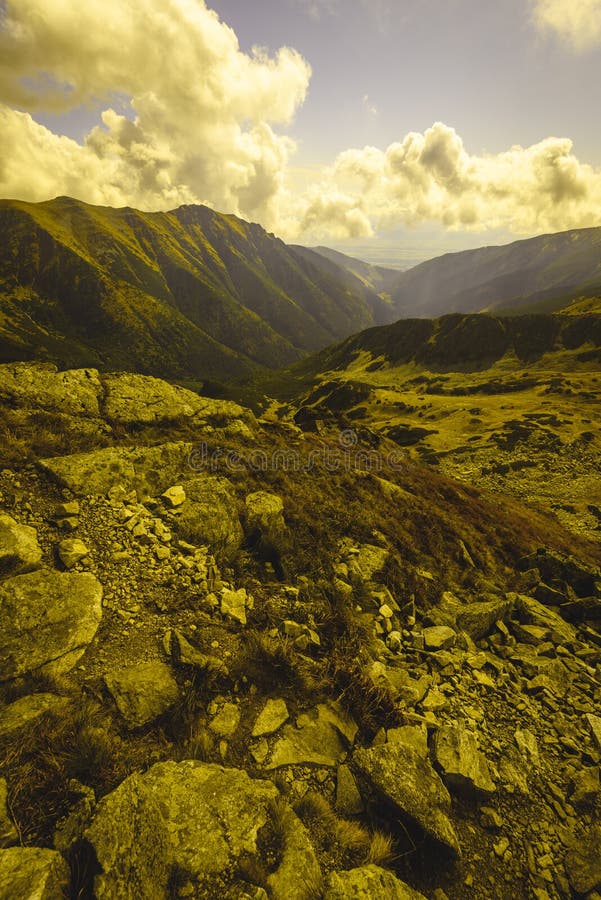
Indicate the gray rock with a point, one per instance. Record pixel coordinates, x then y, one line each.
142 692
411 736
321 737
183 653
30 873
19 548
367 562
174 496
233 604
50 618
272 716
439 637
411 785
464 767
583 862
368 883
197 816
478 619
527 745
298 877
586 789
210 514
265 516
529 611
71 551
595 726
42 386
348 798
26 710
226 719
8 833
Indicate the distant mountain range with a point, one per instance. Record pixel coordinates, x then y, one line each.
185 294
195 295
541 274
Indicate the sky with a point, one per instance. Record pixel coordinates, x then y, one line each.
394 130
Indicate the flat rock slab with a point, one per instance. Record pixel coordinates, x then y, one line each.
272 716
197 816
48 619
25 711
465 769
321 738
30 873
19 548
42 386
411 785
368 883
143 692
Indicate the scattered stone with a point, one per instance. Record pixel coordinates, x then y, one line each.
68 509
583 862
71 551
464 767
348 798
142 692
439 637
411 785
30 873
226 718
272 716
174 496
368 883
233 604
49 619
19 548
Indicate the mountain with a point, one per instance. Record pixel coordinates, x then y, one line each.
541 274
188 293
378 278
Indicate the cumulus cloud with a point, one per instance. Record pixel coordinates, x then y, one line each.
576 21
431 177
203 111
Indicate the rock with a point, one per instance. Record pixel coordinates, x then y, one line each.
527 745
198 817
490 818
26 710
67 510
174 496
513 772
265 519
30 873
19 548
183 653
142 692
50 618
272 716
529 611
464 767
42 386
226 719
411 736
410 784
150 470
595 726
439 637
8 833
298 877
399 681
586 789
320 738
210 515
583 862
368 883
348 798
233 604
367 562
71 551
478 619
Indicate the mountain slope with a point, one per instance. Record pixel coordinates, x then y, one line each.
188 293
378 278
542 274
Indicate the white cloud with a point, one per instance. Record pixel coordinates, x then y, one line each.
369 106
204 111
578 22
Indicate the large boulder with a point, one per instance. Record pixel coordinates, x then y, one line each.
210 514
478 619
192 817
19 548
42 386
30 873
464 767
142 692
368 883
408 782
48 619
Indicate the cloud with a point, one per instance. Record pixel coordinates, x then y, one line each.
203 111
369 106
431 177
578 22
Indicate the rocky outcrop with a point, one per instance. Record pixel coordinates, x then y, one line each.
191 817
75 392
31 873
19 548
49 619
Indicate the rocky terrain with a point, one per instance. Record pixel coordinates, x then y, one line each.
238 662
